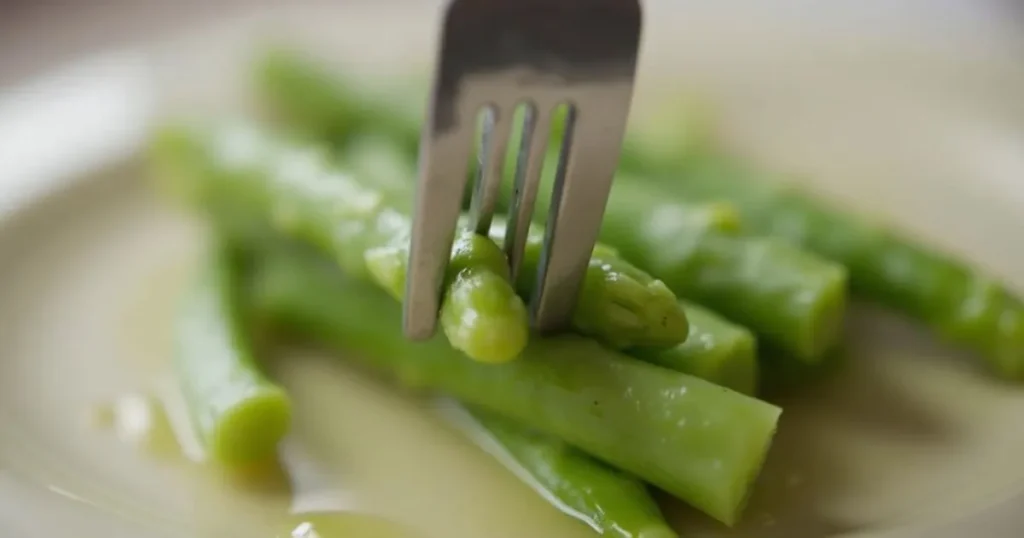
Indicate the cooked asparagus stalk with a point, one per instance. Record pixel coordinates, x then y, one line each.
238 173
792 299
698 441
957 301
237 412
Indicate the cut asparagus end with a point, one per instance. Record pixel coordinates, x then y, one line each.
1005 357
826 316
251 429
728 503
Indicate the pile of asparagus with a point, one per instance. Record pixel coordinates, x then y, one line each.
684 313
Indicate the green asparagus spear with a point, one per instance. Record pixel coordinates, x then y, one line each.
717 350
247 176
701 442
237 412
610 501
792 299
961 304
238 173
322 105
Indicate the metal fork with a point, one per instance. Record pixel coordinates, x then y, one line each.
496 55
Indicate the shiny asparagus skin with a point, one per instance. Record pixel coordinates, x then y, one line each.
790 298
237 412
958 302
717 350
703 443
237 173
610 501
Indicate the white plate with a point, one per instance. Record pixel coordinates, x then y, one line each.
920 125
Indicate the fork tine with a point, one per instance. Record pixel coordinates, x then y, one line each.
497 129
529 165
578 201
502 51
444 162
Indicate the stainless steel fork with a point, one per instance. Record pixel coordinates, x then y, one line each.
497 55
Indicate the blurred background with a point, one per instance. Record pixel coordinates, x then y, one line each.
36 33
793 81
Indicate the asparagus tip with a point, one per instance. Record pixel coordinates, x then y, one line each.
483 317
641 314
